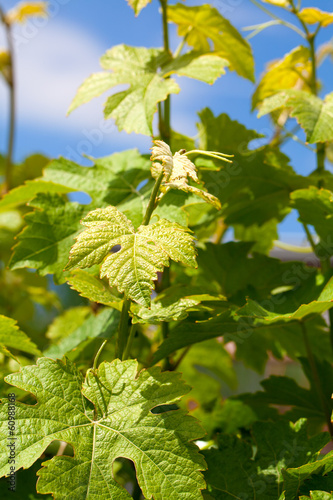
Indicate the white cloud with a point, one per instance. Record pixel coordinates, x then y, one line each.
49 68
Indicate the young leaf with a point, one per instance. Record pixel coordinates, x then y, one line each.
13 338
312 15
278 445
143 252
106 417
313 114
138 5
284 74
278 3
203 25
132 109
45 242
177 168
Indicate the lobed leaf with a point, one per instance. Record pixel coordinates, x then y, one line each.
45 242
143 252
313 15
283 74
138 5
204 25
107 416
12 337
313 114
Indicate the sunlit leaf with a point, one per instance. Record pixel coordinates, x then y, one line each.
143 253
313 15
23 10
105 417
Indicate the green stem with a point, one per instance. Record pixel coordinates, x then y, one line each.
98 354
152 200
128 347
330 313
281 21
125 339
316 379
292 248
12 103
123 329
165 121
309 237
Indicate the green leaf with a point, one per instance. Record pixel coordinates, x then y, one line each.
313 114
22 194
318 495
46 240
132 109
232 267
315 207
263 236
93 288
294 477
255 188
107 417
278 445
256 330
204 67
13 338
143 252
204 25
111 180
138 5
284 391
284 74
103 325
173 304
67 322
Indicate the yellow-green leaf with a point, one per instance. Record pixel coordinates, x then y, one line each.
23 10
204 26
138 5
143 253
283 74
312 15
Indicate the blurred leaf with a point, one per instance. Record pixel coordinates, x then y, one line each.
64 324
284 74
312 113
278 445
45 242
23 10
301 402
315 207
255 188
312 15
138 5
13 338
263 236
204 25
103 325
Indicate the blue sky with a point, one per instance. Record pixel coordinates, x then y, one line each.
55 56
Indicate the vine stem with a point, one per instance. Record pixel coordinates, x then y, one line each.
316 379
98 354
281 21
12 102
125 332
